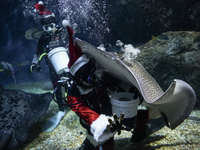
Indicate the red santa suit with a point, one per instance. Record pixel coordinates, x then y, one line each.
96 109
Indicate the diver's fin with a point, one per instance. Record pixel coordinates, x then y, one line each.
152 126
53 122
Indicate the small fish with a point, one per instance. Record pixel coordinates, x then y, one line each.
8 69
24 63
160 38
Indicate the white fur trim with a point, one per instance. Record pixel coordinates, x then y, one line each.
41 3
78 64
65 23
99 131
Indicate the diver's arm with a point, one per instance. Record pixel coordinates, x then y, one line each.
36 59
35 63
98 122
81 109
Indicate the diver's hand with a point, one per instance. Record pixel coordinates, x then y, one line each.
34 66
38 68
117 124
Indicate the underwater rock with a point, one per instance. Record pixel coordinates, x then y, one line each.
176 58
136 21
18 111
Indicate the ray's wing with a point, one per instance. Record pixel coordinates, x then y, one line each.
174 105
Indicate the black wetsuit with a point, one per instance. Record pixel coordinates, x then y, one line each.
98 101
46 43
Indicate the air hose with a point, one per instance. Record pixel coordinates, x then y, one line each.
54 98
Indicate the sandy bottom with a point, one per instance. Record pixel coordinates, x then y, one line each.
69 134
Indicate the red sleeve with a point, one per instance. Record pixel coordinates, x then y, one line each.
82 110
74 51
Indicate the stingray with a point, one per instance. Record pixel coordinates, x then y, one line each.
174 105
18 111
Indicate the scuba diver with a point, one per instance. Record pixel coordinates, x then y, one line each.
51 39
88 98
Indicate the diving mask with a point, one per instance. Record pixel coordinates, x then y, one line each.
49 27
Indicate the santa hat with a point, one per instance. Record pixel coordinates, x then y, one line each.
46 17
77 58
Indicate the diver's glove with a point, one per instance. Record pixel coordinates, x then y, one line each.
38 68
117 124
34 66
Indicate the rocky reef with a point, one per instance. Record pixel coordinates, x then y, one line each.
172 55
136 21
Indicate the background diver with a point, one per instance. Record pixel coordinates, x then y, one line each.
51 38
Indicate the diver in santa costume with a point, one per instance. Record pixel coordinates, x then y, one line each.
51 39
88 98
94 111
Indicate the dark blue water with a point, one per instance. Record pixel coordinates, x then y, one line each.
100 22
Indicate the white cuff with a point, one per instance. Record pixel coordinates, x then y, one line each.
98 129
41 3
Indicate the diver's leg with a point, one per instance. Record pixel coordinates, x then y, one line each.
55 120
108 145
145 126
87 145
139 132
90 144
59 98
54 79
